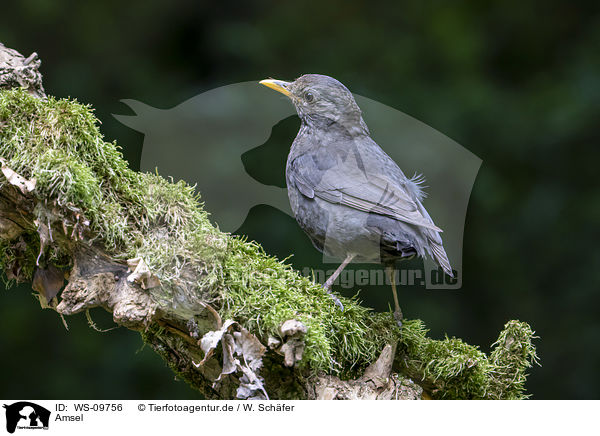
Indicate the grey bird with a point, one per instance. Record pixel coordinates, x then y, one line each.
347 194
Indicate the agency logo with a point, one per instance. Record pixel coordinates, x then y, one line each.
233 142
26 415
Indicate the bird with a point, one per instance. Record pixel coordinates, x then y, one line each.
350 198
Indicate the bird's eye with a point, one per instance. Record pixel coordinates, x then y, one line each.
308 96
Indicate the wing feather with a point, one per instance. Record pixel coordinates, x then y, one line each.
346 183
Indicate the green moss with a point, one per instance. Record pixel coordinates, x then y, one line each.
513 354
262 292
454 370
19 257
58 143
135 214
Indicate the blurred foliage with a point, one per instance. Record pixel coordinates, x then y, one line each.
517 83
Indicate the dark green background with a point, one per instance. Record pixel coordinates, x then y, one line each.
515 82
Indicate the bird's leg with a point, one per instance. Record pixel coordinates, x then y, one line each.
329 283
397 311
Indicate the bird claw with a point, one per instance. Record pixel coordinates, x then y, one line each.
336 300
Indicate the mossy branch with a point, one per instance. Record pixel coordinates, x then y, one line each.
228 318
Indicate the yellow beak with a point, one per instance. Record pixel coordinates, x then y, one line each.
277 85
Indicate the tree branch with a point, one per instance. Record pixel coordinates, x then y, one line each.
226 317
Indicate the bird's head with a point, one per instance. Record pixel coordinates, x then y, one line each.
321 100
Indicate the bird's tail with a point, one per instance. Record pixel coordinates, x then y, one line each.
440 256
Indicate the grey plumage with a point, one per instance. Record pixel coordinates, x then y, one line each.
347 194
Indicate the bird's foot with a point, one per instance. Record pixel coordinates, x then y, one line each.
398 317
335 299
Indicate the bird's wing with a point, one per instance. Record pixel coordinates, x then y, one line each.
347 182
